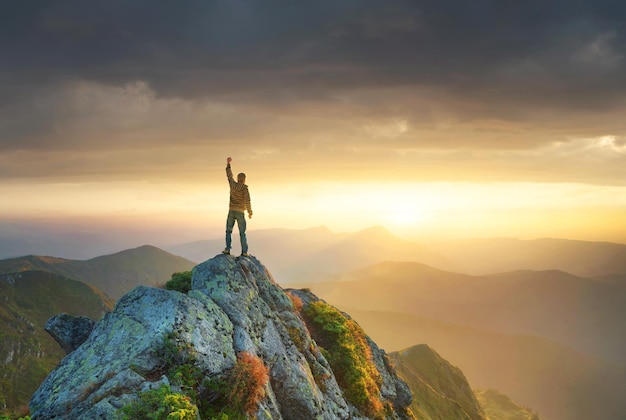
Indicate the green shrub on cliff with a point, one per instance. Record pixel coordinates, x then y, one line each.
180 282
345 347
161 404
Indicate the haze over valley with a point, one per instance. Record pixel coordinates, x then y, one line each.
520 331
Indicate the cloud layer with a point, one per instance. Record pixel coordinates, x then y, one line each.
499 89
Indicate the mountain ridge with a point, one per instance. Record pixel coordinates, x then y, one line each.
482 256
314 254
587 258
582 316
520 366
440 389
296 253
579 312
115 274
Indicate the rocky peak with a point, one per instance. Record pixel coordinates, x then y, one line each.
191 348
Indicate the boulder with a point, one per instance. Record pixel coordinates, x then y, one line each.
69 331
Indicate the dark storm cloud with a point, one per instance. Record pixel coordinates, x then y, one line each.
195 48
505 58
182 48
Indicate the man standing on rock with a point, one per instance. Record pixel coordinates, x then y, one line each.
239 203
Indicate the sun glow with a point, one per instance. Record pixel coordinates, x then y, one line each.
402 218
419 210
409 210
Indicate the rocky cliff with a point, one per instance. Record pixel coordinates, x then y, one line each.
235 345
27 352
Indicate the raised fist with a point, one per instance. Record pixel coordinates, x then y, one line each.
229 159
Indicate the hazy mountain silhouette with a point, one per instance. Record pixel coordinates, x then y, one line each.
297 254
555 381
114 274
576 371
313 255
584 314
616 279
500 406
69 239
27 352
493 255
268 243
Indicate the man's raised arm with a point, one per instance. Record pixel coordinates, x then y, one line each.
229 172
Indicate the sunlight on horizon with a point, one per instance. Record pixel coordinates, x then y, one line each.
435 209
402 218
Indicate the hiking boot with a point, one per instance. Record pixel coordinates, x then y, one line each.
245 254
226 251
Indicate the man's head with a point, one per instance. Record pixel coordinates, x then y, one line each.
241 177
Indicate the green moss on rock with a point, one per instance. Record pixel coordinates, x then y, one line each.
344 344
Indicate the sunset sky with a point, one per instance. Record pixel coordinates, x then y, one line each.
431 118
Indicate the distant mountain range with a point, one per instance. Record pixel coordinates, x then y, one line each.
549 336
556 381
312 255
584 314
518 332
494 255
27 352
71 240
114 274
